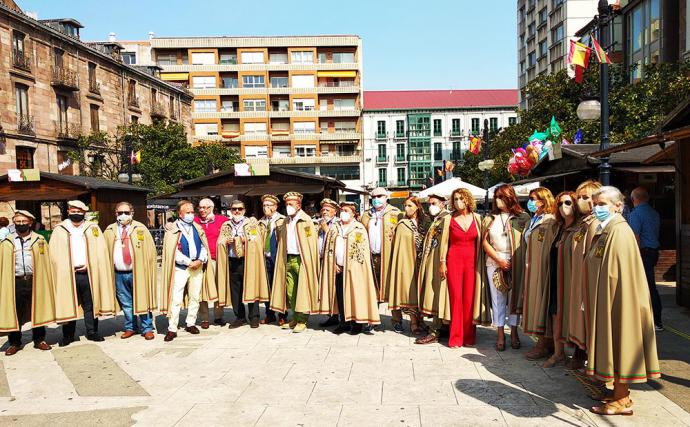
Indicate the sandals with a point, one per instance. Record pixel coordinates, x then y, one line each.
615 407
596 391
428 339
515 344
500 346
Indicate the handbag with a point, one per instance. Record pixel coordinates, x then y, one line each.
503 281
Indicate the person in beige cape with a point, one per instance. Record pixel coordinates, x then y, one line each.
184 267
434 300
242 266
329 230
401 289
296 276
269 224
134 263
83 280
622 341
27 291
539 236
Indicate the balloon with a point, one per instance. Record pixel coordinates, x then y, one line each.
520 151
538 136
534 157
543 154
525 145
512 161
512 168
554 129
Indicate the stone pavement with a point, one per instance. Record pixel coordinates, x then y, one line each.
269 376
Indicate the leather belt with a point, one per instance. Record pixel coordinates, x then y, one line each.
28 277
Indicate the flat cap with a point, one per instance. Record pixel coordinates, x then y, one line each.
379 191
77 204
24 213
293 195
270 197
348 204
438 196
329 202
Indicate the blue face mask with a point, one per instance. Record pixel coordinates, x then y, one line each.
377 202
188 218
532 206
602 213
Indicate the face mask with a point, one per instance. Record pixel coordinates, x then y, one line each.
532 206
75 217
566 211
460 205
500 204
124 219
602 213
237 217
290 210
345 216
583 206
377 202
22 228
188 218
434 210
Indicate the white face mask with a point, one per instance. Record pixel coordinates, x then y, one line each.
500 204
188 218
566 211
460 205
124 219
290 210
345 216
237 217
583 206
434 210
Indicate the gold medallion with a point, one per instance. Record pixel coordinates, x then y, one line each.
540 236
95 232
307 231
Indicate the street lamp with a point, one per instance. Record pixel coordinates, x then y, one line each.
589 110
483 165
128 177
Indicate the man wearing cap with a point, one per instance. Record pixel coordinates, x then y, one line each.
296 275
211 224
26 284
241 265
328 230
271 220
184 268
83 278
134 260
434 300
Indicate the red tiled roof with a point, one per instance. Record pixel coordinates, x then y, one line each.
432 99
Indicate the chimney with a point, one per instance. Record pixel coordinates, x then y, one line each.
151 35
111 37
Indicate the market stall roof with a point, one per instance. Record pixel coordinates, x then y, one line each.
56 187
447 187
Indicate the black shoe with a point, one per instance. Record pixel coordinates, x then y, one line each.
398 328
95 337
254 323
356 328
342 327
220 322
66 341
365 328
331 321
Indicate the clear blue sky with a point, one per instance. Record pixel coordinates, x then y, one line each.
432 44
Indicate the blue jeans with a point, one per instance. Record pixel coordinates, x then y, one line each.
123 289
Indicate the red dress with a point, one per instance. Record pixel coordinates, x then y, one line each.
460 264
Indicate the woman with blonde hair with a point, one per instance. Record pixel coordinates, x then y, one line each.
539 236
462 267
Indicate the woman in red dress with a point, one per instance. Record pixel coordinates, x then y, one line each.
462 272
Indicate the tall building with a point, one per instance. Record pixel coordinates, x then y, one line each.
408 134
288 101
544 29
57 87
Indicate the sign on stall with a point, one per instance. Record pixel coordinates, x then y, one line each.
20 175
253 169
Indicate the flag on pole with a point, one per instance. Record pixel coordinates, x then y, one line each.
600 52
135 157
578 137
475 145
578 54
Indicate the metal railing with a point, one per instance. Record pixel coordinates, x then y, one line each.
21 59
158 109
133 101
25 125
65 78
94 87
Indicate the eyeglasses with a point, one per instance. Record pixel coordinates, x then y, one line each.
123 212
378 196
565 202
236 209
583 197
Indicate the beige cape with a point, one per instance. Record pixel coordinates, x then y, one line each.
434 299
401 287
327 295
391 216
564 276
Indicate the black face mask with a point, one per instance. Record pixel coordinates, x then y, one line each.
76 217
22 228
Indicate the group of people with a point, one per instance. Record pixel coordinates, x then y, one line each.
569 270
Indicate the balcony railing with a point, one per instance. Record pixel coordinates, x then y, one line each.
400 134
346 83
400 159
455 133
307 159
133 101
64 78
94 87
25 125
65 131
401 183
21 60
381 159
158 110
381 135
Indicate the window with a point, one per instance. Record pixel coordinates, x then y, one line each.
203 82
252 57
531 58
400 128
323 58
457 150
18 43
132 92
281 151
228 58
278 58
253 81
256 152
493 124
205 106
303 104
381 153
304 127
531 30
557 33
229 82
205 129
305 151
341 172
280 105
456 131
400 152
255 128
644 37
381 128
129 58
154 97
93 114
134 119
475 127
438 151
343 104
383 177
512 121
24 157
302 81
171 107
302 57
557 3
22 102
92 77
62 114
254 105
279 82
346 150
543 48
401 176
345 127
543 15
437 127
64 163
58 57
166 58
228 106
231 127
344 57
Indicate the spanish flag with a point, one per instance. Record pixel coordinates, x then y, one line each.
135 157
475 145
601 53
579 54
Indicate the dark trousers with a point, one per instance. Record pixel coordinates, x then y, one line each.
649 259
339 297
237 290
270 268
86 301
23 290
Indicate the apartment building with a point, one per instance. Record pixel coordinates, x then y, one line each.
57 87
544 29
408 134
288 101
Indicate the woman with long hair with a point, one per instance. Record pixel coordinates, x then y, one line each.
401 287
504 252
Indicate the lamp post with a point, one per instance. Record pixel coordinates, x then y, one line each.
128 177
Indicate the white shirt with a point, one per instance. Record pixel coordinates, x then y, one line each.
499 238
603 225
77 242
23 261
188 232
375 231
292 244
322 237
236 231
118 261
271 222
340 243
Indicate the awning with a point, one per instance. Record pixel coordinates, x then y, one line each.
543 178
647 169
250 190
336 74
174 77
354 191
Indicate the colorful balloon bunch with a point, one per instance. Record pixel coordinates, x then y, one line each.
532 152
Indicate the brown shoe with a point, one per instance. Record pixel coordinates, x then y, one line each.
149 336
127 334
192 330
428 339
282 321
12 350
170 336
238 323
42 346
220 322
254 323
204 324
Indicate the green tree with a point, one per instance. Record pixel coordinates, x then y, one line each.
98 154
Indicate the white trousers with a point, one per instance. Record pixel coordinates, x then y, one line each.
499 303
192 280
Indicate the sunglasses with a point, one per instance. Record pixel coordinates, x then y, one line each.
378 197
123 212
566 202
236 209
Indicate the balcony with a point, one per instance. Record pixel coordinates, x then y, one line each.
331 66
158 110
399 183
65 131
455 133
21 60
400 159
382 159
399 135
95 87
307 160
64 78
381 135
340 135
133 101
25 125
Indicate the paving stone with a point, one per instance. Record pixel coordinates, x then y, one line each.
418 392
302 416
212 414
385 416
454 415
